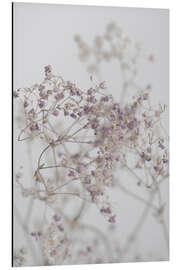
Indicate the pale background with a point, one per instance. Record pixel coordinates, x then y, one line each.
43 34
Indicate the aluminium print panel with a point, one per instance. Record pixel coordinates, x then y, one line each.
90 134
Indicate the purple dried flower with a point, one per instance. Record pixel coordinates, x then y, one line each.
90 91
134 106
41 104
121 137
61 229
92 99
105 99
161 145
115 106
87 109
148 123
36 126
48 69
73 115
93 194
165 160
78 92
56 218
112 219
132 124
79 114
86 125
26 104
72 92
148 158
143 156
106 210
71 173
156 168
112 116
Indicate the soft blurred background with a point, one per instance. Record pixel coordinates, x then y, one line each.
44 34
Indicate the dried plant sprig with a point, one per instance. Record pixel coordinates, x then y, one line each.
108 137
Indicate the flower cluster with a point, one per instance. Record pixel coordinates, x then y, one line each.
113 130
112 44
19 257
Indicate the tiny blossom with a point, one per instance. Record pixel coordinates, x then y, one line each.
106 210
48 70
90 91
34 127
148 123
112 219
165 160
145 157
73 115
92 99
87 109
132 124
41 104
105 99
72 92
36 235
56 218
80 114
161 145
26 104
71 173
